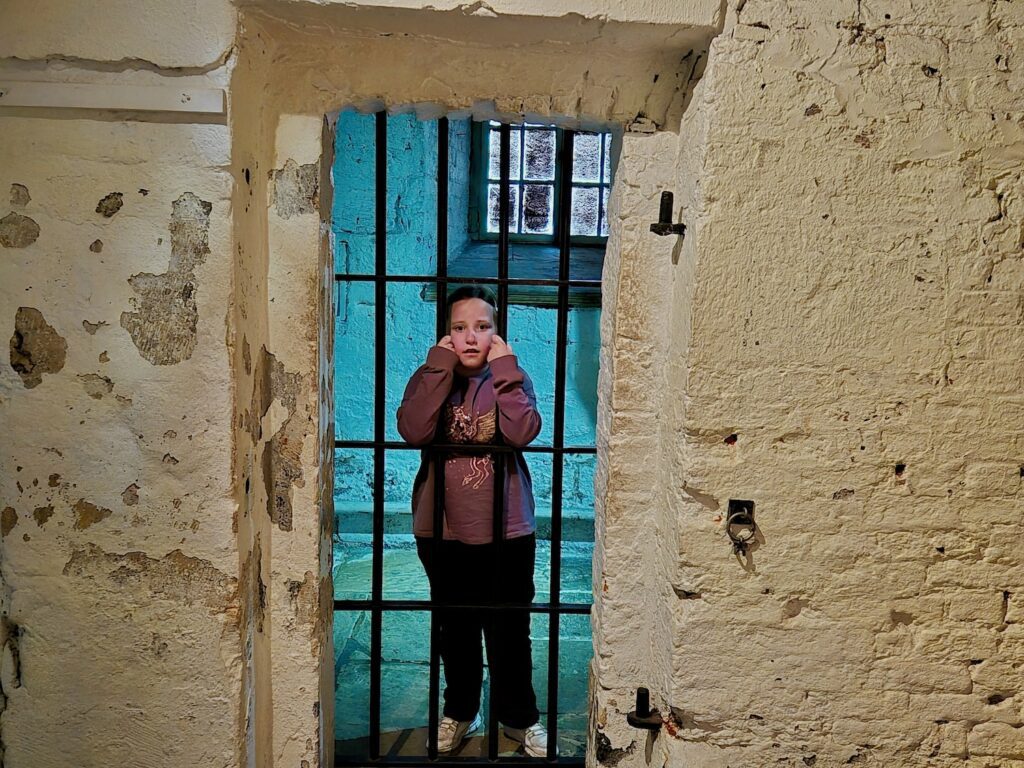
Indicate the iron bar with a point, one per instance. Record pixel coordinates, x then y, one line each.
601 213
558 440
420 762
393 445
426 605
442 222
364 278
504 190
379 373
499 459
434 685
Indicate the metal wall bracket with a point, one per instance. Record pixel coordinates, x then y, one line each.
643 716
740 524
664 225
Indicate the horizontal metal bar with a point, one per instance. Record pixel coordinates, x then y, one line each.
426 605
395 445
367 278
423 762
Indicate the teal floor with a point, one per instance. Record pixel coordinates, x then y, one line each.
405 660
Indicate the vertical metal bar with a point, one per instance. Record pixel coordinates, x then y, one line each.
495 575
439 461
504 191
602 138
380 358
521 181
442 223
435 620
561 342
498 510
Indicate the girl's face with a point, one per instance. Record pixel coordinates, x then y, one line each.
472 326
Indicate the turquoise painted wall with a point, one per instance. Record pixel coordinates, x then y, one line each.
410 319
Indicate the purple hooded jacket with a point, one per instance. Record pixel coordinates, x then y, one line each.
497 405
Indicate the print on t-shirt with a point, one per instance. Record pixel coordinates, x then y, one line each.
467 427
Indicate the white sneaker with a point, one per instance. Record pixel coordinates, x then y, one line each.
534 739
451 732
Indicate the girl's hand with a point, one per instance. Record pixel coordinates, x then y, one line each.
498 348
446 343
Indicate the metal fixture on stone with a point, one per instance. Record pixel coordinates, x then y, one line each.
643 716
740 524
664 225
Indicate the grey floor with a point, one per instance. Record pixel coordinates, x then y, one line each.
405 660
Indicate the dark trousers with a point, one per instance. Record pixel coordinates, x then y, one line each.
473 574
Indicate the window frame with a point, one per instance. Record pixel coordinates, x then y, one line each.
479 163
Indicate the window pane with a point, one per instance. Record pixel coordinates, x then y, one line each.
353 361
538 209
493 212
606 176
604 211
540 155
584 211
586 157
494 153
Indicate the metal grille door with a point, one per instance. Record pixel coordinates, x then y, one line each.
376 606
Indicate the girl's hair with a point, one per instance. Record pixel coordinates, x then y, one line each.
470 292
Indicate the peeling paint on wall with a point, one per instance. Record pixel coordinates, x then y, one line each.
20 196
8 519
176 576
304 599
91 328
42 514
296 189
97 386
110 204
281 458
10 661
254 606
165 317
261 587
36 348
87 513
130 495
17 231
285 447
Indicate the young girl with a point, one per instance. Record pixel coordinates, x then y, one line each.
472 390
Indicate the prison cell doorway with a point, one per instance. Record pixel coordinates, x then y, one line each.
419 208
